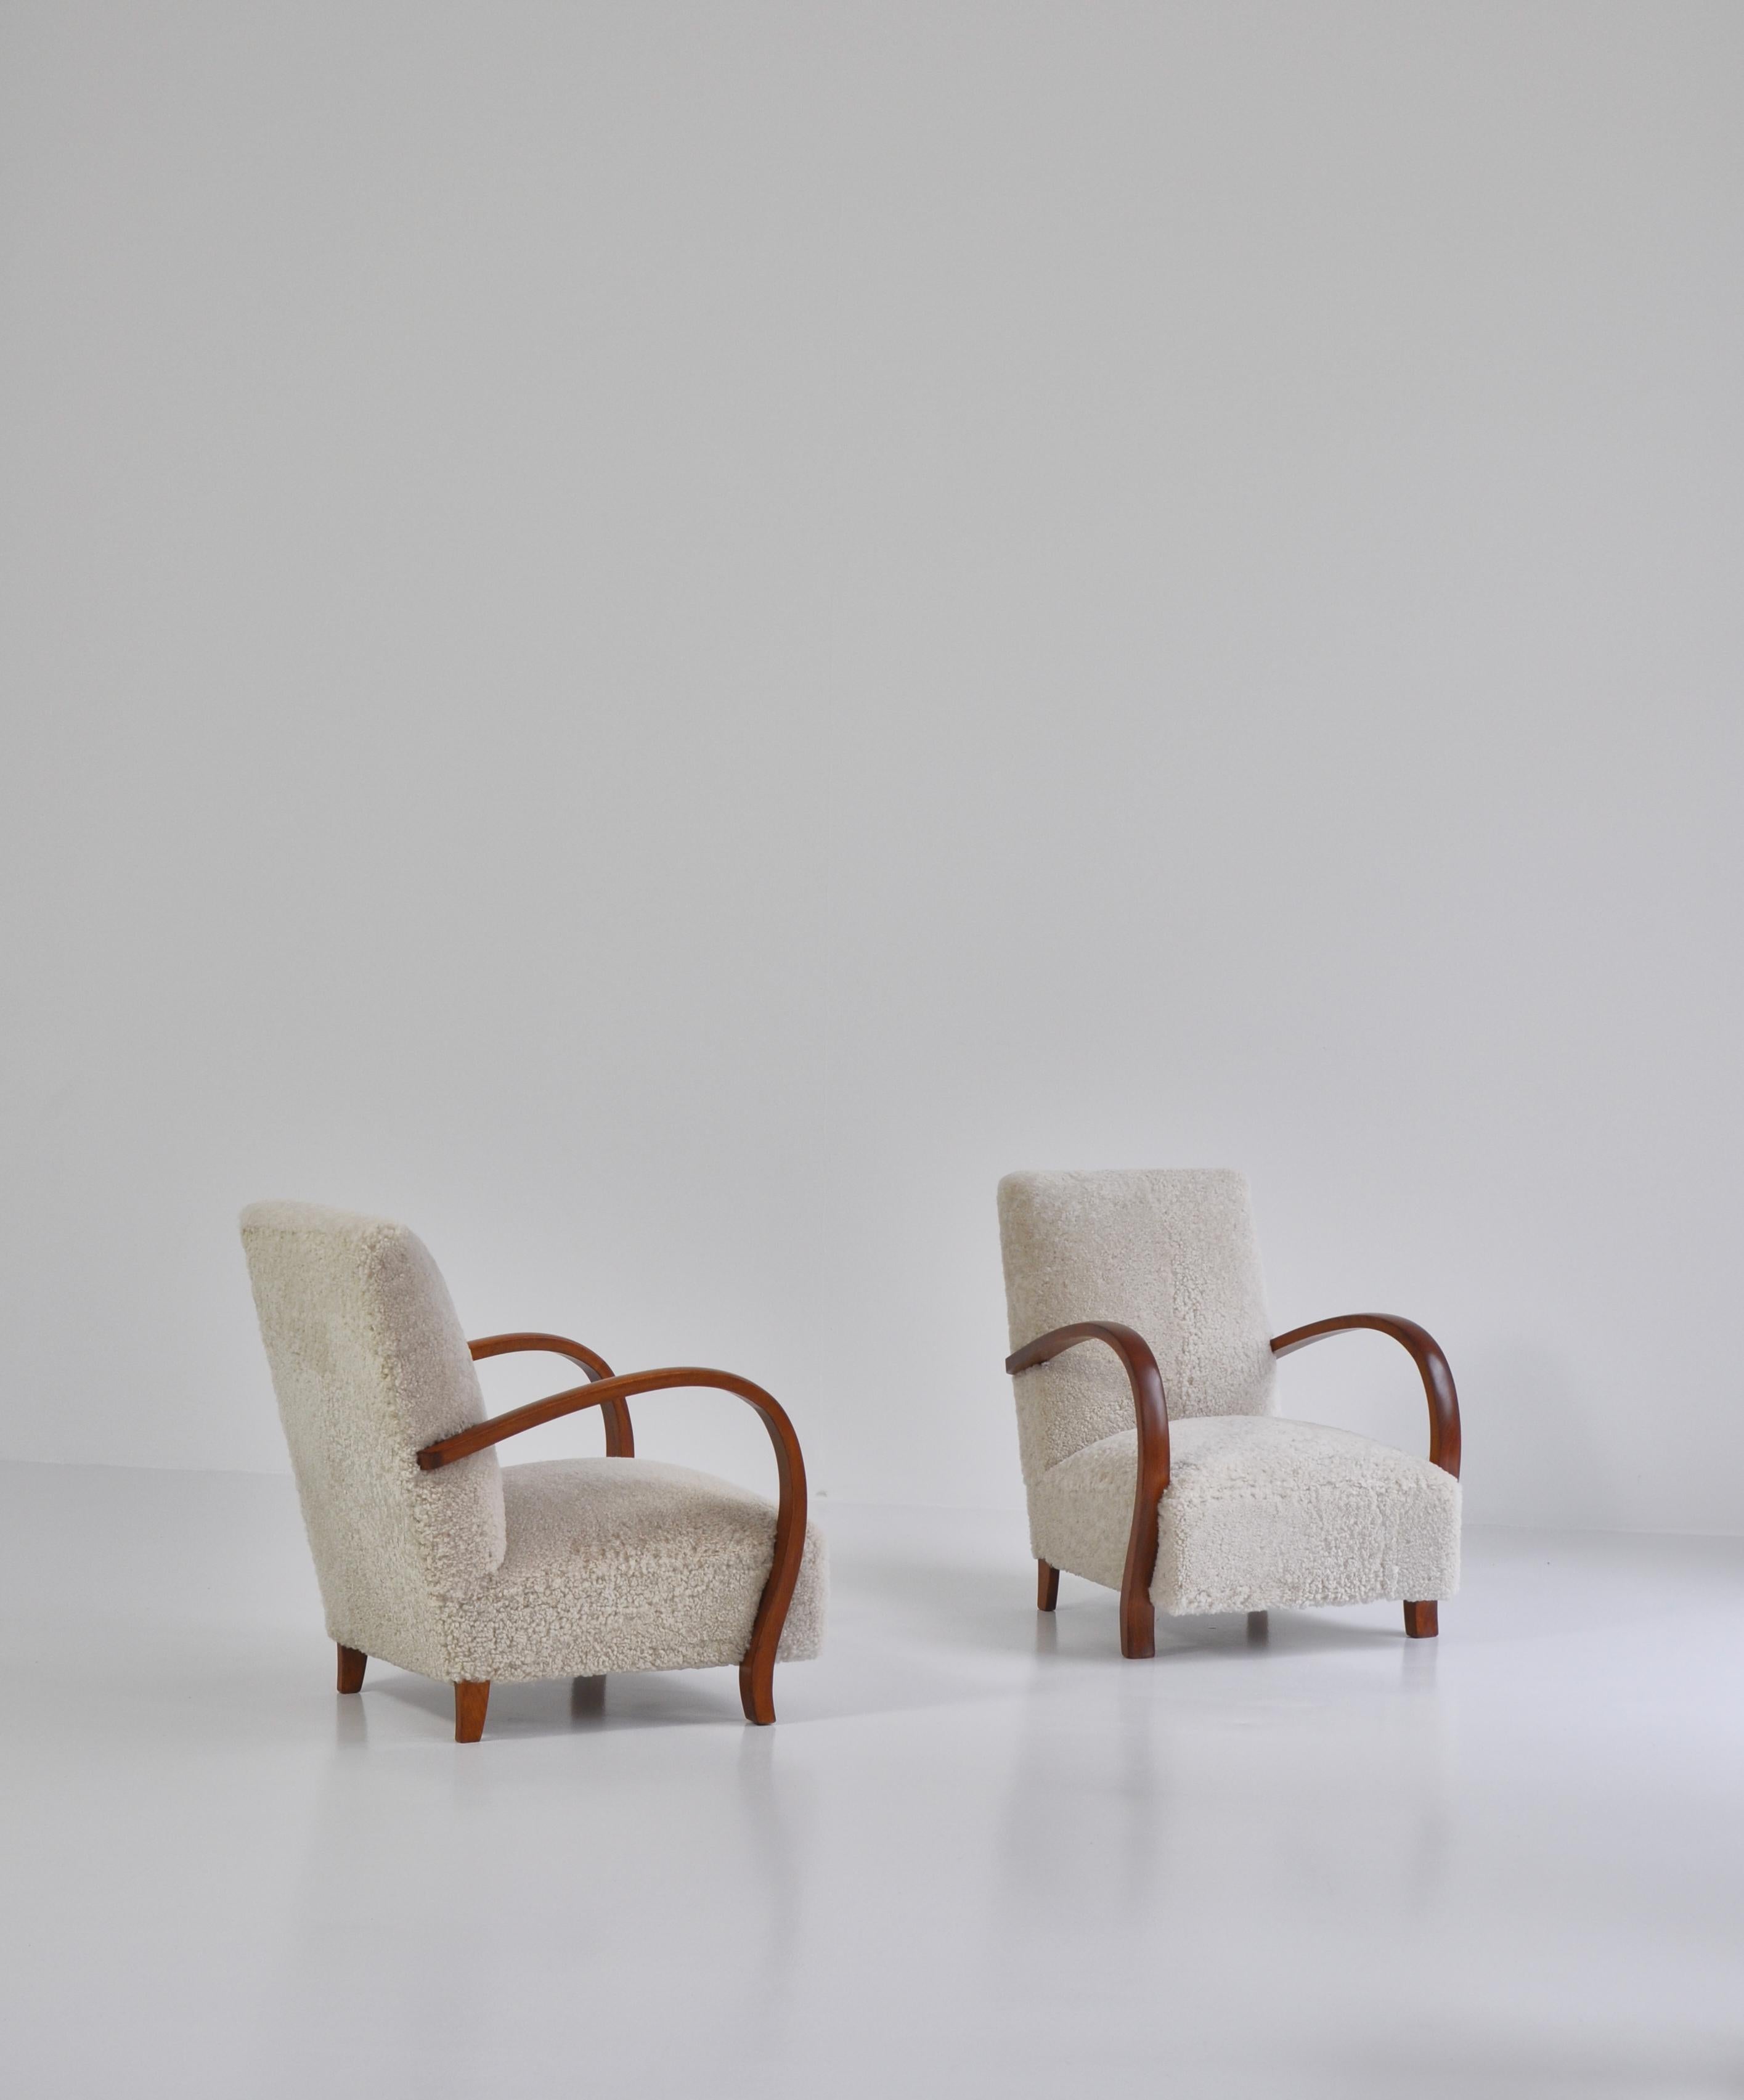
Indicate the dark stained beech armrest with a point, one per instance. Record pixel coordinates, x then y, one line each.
757 1671
1151 1410
1425 1353
620 1439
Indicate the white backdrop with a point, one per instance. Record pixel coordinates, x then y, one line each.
661 638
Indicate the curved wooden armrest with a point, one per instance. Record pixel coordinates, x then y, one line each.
1151 1410
1425 1353
757 1671
620 1439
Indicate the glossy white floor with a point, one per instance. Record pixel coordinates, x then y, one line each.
978 1854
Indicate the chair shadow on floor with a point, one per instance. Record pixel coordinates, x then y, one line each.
575 1706
953 1606
904 1630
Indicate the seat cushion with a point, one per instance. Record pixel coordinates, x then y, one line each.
626 1564
1259 1511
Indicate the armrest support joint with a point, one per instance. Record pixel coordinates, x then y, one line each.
1150 1411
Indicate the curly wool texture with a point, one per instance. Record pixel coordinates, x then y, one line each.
569 1567
1169 1251
626 1564
369 1363
1259 1511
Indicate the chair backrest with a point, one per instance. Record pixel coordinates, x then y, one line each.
1168 1250
369 1363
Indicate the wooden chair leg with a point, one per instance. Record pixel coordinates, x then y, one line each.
470 1702
1047 1585
1420 1621
1137 1627
757 1687
352 1663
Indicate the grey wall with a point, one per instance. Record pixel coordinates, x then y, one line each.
661 638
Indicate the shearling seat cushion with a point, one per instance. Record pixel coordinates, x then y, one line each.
1260 1511
626 1564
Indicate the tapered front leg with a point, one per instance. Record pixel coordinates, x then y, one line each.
1047 1585
757 1687
352 1663
1420 1621
470 1701
1137 1627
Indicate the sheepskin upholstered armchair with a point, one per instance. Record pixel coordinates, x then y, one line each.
1153 1461
432 1557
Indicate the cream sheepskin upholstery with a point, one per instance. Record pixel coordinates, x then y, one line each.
1259 1511
569 1567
